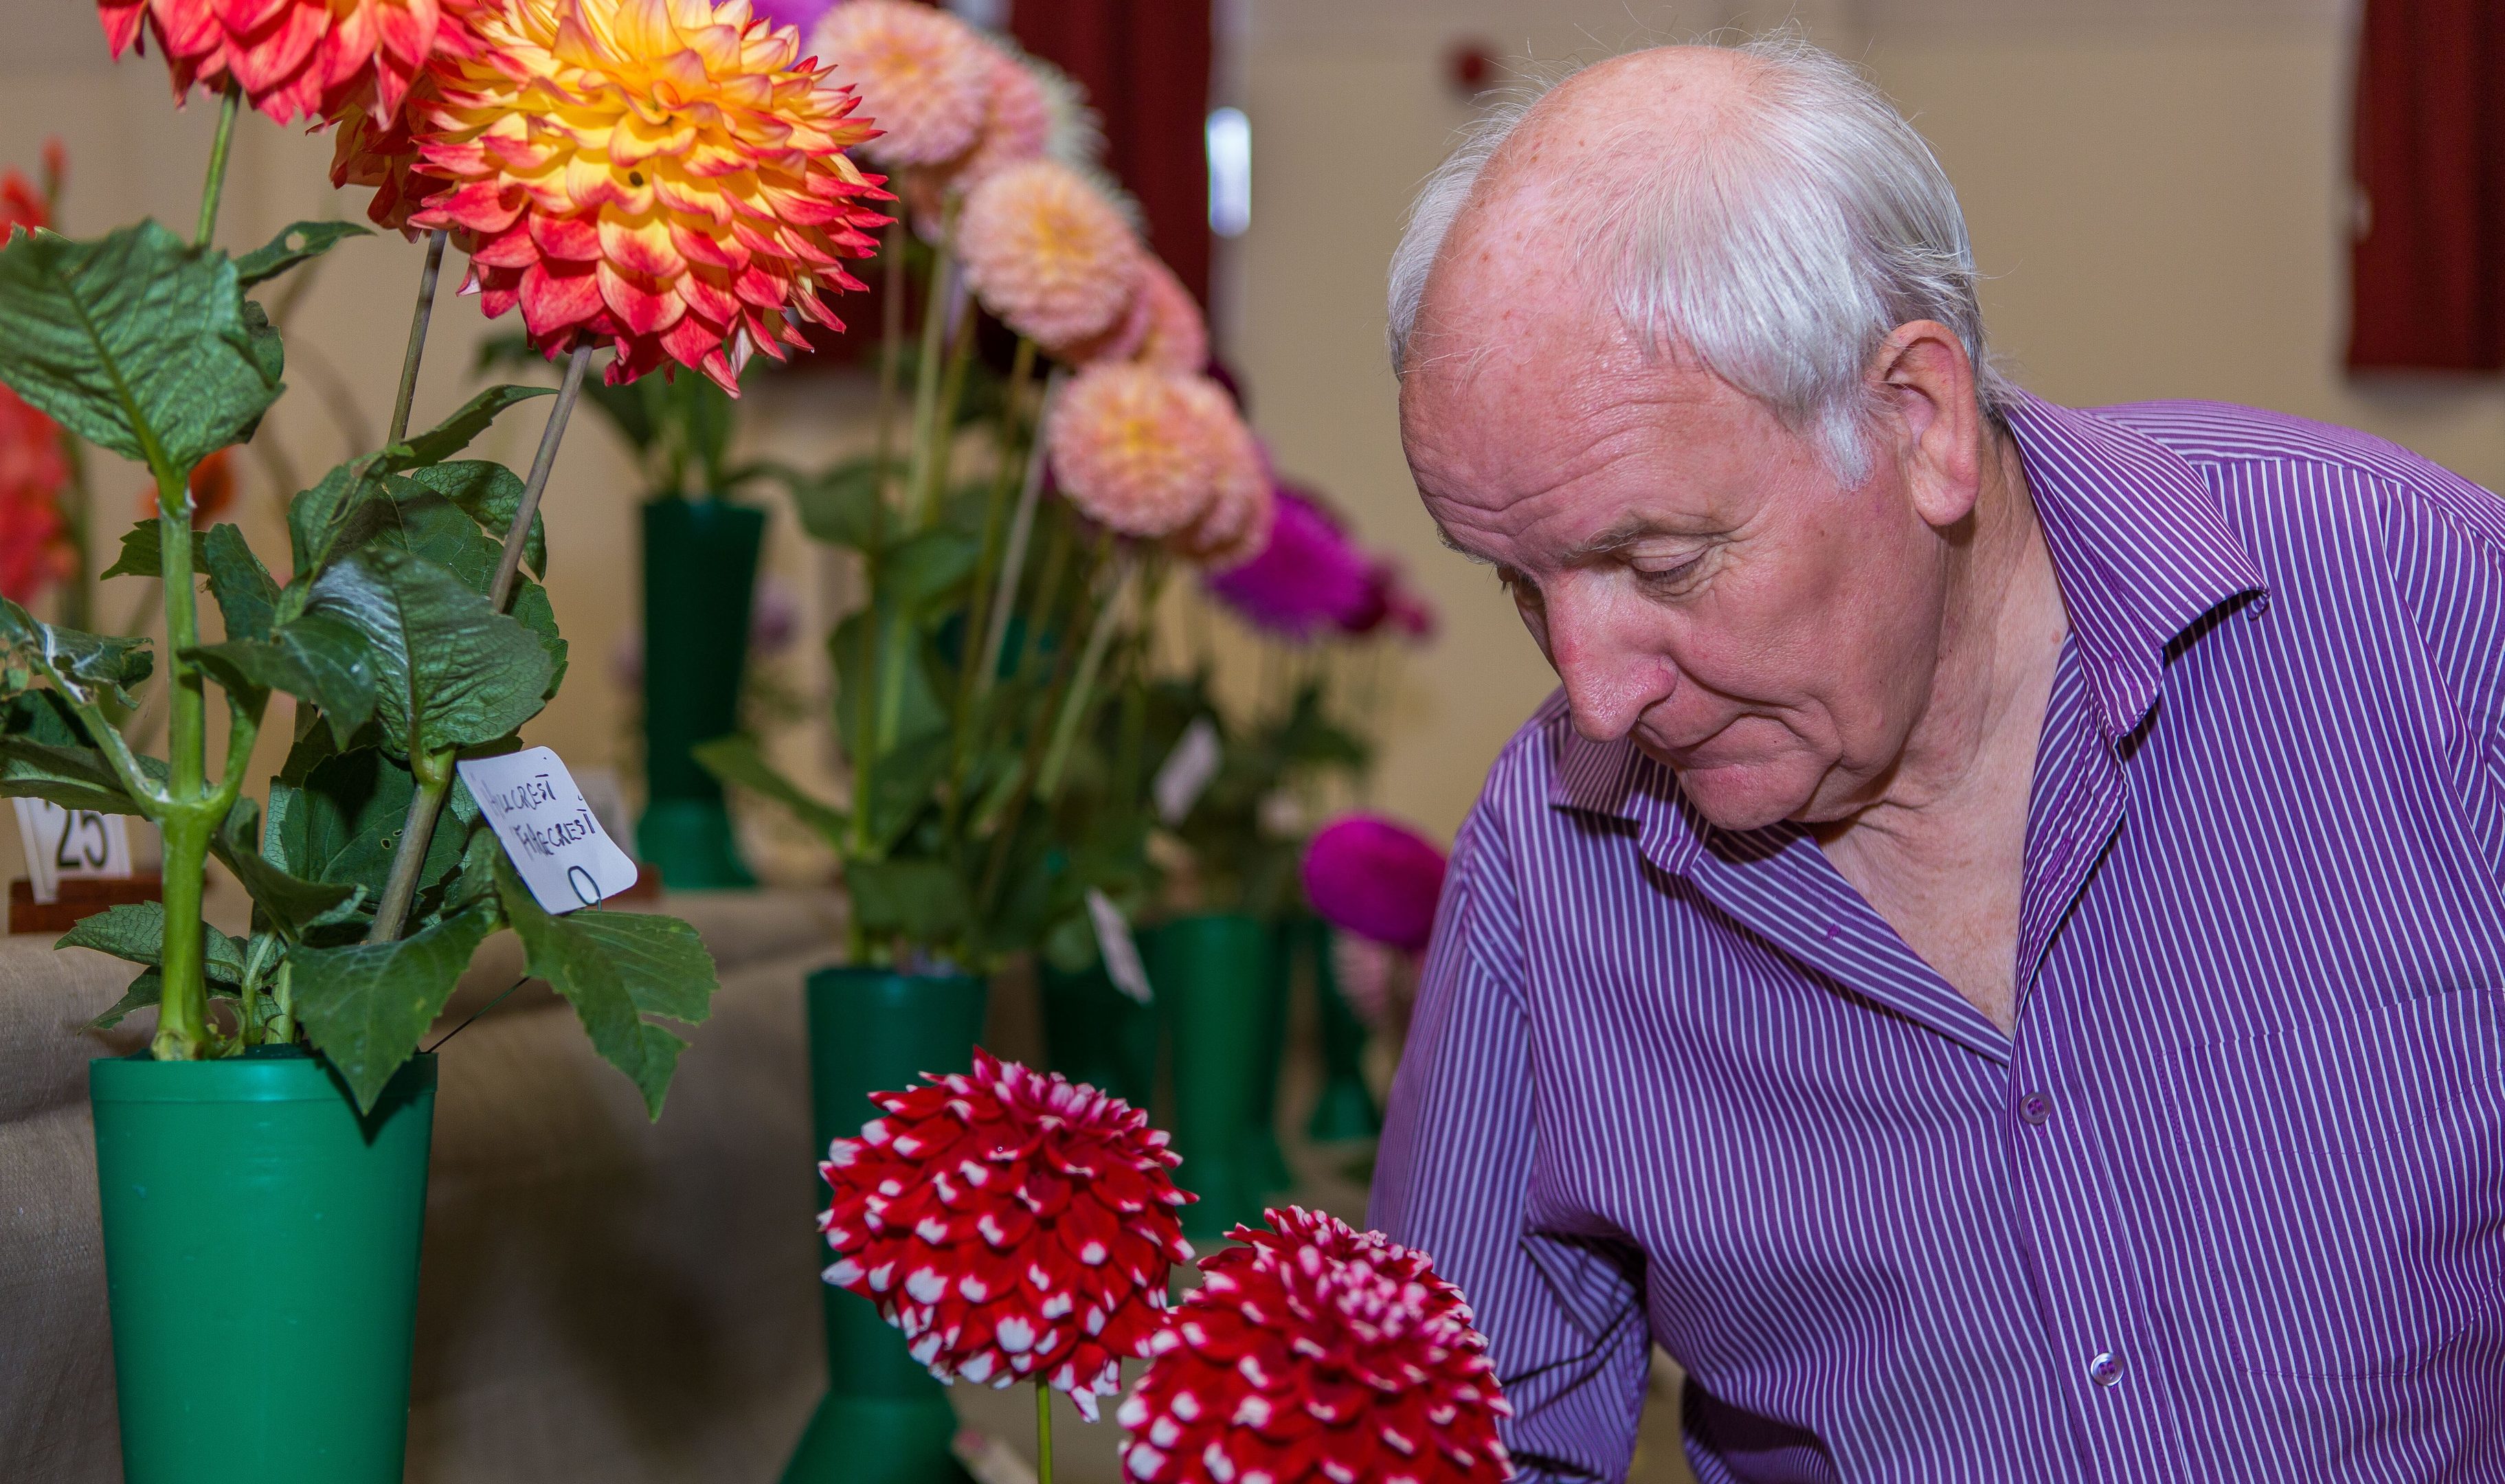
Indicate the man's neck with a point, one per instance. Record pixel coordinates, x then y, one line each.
1940 854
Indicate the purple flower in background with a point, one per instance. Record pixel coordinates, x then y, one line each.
803 13
1377 879
1310 576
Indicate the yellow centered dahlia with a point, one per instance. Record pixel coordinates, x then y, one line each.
1177 336
293 58
922 73
1139 450
659 173
1234 527
1047 253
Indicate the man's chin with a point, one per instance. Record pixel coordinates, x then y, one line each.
1738 797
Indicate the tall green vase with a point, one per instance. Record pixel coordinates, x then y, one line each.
1265 1164
1345 1109
884 1421
261 1243
1094 1033
1212 977
699 581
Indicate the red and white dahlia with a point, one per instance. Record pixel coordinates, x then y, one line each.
1015 1226
1316 1352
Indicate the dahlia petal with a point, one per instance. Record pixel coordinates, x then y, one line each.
643 311
558 295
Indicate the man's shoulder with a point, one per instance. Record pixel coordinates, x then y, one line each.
2216 437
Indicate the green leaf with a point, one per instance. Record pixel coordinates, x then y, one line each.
842 506
137 930
452 435
294 906
319 657
451 671
89 667
144 993
134 341
142 552
921 901
299 242
489 494
246 593
367 1005
902 784
737 761
926 567
335 817
45 754
615 969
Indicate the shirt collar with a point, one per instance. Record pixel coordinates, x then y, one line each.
2142 551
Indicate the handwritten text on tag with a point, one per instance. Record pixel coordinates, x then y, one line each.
548 832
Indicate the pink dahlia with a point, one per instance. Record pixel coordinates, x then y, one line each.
1015 1226
1316 1352
1177 336
1375 877
921 72
1046 252
1137 449
1235 525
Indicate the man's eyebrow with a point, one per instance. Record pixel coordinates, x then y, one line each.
1450 545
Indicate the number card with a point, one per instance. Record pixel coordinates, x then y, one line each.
70 844
548 832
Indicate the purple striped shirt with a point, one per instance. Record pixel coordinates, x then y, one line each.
2231 1202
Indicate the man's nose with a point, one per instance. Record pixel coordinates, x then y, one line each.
1611 678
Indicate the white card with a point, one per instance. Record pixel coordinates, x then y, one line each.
607 798
1187 771
63 844
1113 941
548 832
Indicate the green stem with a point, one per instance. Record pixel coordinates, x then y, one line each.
943 425
1003 604
434 771
1043 1434
228 105
190 814
416 351
925 373
1074 705
183 1013
283 993
891 349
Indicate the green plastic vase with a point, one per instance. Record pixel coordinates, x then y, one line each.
1212 977
261 1244
1094 1033
1265 1164
884 1420
699 581
1345 1109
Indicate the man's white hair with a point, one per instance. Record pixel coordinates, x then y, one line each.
1780 252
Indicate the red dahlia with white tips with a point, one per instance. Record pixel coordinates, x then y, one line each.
1015 1226
1316 1352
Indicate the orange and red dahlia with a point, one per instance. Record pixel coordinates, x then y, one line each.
293 58
663 174
1015 1226
1316 1355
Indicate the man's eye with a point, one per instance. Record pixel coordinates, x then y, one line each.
1670 577
1522 589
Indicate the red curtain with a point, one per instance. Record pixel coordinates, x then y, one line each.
1146 66
2427 266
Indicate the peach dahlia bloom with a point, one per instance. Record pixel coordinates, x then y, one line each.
293 58
1234 526
921 72
1176 337
1049 254
665 174
1139 450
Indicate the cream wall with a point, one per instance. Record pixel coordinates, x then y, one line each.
2156 187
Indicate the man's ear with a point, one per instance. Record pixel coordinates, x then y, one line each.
1927 382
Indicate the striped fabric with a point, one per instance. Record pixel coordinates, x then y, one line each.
2231 1203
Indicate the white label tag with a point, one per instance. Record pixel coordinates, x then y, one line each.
548 832
607 798
1187 771
1113 941
65 845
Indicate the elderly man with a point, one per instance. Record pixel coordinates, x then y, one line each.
1992 957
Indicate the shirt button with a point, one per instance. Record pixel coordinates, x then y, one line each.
2034 1108
2105 1369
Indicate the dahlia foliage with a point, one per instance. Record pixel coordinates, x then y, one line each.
1316 1352
1015 1226
667 175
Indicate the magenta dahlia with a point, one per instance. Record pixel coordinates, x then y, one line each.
1015 1226
1375 877
1316 1352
